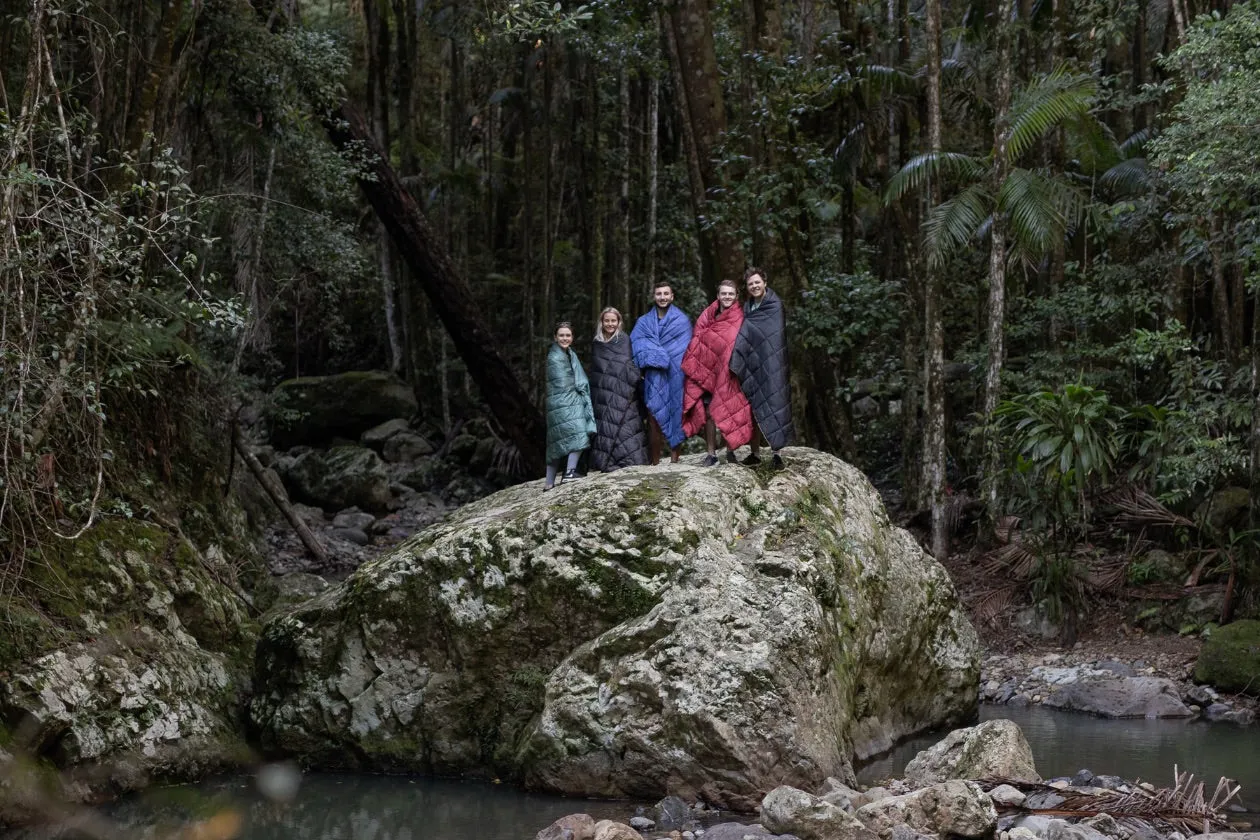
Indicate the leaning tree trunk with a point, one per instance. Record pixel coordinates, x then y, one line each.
997 264
934 325
448 294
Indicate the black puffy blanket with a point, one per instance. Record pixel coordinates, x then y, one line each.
760 362
619 437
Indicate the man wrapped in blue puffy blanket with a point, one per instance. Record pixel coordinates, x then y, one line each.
660 339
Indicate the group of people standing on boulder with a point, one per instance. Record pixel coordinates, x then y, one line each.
728 374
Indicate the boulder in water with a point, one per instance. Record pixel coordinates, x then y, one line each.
708 633
994 749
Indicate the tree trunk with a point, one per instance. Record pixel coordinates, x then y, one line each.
653 144
690 35
1220 290
448 294
623 199
997 264
934 327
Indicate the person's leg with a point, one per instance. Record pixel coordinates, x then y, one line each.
777 460
675 454
551 477
710 440
655 441
570 467
754 448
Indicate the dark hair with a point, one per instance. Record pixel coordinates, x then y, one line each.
561 326
751 270
662 284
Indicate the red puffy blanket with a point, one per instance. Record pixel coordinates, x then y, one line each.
707 366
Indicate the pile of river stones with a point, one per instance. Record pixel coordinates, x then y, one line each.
1108 688
954 789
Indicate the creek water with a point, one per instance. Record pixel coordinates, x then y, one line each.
1063 743
358 807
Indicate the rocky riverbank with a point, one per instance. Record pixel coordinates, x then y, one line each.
979 782
1155 685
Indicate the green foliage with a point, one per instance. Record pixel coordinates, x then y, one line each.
1067 443
1209 148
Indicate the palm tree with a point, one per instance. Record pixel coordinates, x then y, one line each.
1030 207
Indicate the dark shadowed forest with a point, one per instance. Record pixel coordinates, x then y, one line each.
1016 240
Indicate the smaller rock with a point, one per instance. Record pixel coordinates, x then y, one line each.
1060 784
1120 669
1007 795
994 748
1035 824
1044 800
405 447
352 517
1106 824
353 535
1083 778
1112 783
1063 830
732 831
376 436
642 824
1021 833
787 810
572 827
609 830
1203 695
671 812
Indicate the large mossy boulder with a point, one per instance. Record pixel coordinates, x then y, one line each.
1230 660
672 630
315 410
127 659
337 478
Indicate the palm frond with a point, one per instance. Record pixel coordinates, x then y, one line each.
1016 560
1039 208
882 80
1128 177
921 170
992 602
1139 509
952 224
1135 144
1091 143
1051 100
849 153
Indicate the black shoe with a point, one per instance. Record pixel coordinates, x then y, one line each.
777 462
547 487
730 457
572 475
710 461
752 460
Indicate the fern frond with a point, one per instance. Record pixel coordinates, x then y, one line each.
849 153
1052 100
920 171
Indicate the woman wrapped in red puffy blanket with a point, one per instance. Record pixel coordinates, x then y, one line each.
711 394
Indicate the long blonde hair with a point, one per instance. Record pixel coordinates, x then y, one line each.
599 324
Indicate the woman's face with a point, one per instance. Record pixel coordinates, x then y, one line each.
564 337
726 296
610 322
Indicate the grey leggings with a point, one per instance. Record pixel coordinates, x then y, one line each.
552 469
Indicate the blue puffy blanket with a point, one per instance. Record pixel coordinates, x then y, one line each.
659 345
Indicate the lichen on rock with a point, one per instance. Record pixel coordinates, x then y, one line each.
672 630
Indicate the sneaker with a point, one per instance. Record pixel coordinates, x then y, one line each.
730 457
710 461
752 460
572 475
777 462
